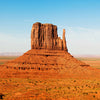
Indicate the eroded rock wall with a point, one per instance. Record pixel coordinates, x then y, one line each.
44 36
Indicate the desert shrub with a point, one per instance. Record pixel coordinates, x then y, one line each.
93 96
97 83
35 83
59 87
95 92
74 80
27 88
68 87
46 89
86 85
85 93
82 86
55 87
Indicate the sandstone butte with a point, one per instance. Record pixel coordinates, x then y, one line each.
48 58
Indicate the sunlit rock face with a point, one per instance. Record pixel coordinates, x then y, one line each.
44 36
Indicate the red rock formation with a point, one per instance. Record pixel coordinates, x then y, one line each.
64 40
47 58
44 36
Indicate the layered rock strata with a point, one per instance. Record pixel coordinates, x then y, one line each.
45 63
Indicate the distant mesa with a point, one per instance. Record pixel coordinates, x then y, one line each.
44 36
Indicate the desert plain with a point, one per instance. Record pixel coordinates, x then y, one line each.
51 89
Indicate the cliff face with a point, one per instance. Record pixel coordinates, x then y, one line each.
44 36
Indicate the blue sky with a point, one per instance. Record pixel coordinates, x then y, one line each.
80 18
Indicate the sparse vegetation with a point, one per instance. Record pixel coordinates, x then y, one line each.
49 88
39 89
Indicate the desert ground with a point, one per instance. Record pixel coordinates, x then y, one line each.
50 89
93 62
4 59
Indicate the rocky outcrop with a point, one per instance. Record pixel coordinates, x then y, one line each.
44 36
47 58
